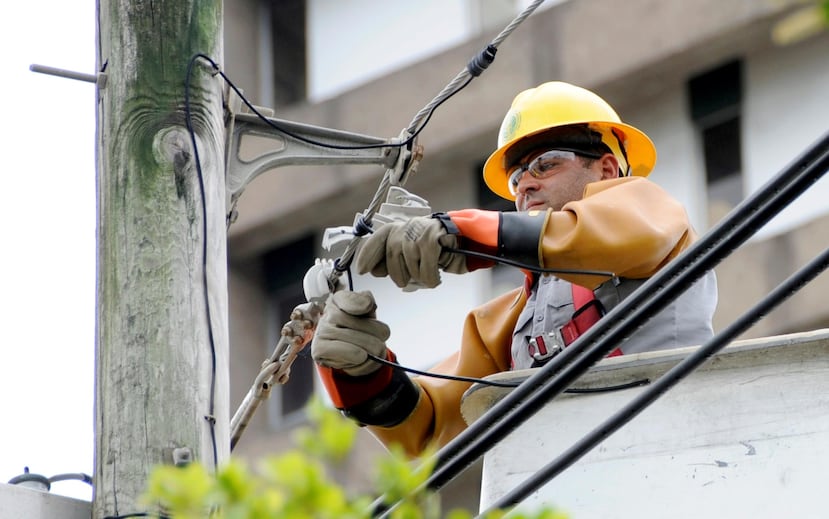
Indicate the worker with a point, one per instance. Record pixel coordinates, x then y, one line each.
584 210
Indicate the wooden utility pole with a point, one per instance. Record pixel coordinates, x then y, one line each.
162 339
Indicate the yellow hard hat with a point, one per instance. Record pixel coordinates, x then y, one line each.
557 104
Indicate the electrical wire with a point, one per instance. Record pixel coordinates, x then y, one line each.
270 122
475 67
457 378
210 417
531 268
137 514
496 383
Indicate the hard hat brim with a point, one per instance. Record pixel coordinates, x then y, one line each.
641 155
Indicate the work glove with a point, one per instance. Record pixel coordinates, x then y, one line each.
410 251
347 330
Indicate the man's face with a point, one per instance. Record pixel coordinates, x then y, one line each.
564 179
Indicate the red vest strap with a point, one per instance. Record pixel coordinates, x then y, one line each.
587 313
581 296
588 310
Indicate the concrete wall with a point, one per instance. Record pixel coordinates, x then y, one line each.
18 501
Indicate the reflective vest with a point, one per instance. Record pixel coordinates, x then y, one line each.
557 313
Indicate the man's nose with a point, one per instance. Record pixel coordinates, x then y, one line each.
526 182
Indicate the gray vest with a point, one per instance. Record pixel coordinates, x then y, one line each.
685 322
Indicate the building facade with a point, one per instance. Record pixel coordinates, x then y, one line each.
726 108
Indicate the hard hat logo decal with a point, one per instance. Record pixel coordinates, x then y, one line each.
510 126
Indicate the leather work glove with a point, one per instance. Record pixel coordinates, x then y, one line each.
410 251
347 330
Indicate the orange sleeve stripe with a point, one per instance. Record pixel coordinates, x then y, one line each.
347 391
478 225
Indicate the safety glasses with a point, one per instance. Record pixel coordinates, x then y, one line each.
543 166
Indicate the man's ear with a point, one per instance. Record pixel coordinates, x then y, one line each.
610 166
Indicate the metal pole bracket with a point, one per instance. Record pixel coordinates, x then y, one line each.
256 143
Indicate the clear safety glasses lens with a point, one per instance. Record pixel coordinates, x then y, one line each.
542 166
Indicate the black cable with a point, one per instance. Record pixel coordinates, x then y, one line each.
496 383
350 279
497 259
210 417
605 389
289 133
137 514
125 516
432 111
457 378
531 268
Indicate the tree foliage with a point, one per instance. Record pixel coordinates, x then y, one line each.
297 483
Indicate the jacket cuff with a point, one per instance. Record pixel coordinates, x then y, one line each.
510 235
389 407
519 236
477 231
385 397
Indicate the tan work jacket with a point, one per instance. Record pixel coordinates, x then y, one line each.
628 226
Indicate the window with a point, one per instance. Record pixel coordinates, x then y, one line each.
283 64
716 105
284 269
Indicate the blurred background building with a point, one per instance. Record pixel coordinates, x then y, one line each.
726 107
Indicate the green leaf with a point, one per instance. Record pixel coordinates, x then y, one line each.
187 490
332 436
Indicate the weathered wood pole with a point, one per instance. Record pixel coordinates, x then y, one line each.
161 339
